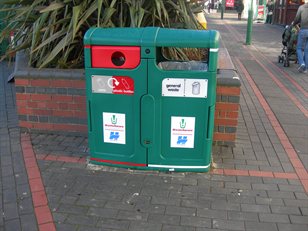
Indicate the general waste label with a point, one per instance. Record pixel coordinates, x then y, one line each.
194 88
114 128
182 132
123 85
173 87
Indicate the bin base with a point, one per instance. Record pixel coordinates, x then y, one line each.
150 167
179 168
116 163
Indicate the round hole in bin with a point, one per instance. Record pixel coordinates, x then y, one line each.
118 58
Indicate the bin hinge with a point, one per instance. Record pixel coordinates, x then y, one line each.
146 142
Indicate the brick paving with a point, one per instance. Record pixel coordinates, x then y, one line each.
134 200
16 208
261 184
60 145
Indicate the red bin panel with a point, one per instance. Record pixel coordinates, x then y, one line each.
115 57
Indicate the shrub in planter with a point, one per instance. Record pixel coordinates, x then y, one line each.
52 32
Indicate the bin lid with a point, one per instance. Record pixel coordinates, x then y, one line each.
152 37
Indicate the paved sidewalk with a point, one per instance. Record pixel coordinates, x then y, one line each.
16 208
261 184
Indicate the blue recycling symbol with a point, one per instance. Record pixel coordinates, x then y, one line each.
114 136
182 140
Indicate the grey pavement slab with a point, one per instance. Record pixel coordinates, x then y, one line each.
261 205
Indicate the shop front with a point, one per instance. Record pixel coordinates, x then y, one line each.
285 11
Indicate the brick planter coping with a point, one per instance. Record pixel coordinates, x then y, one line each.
54 101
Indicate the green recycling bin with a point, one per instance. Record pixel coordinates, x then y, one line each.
145 111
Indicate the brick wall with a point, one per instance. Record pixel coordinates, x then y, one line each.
51 104
227 100
226 115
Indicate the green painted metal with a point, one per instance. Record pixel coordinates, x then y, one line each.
249 24
153 119
223 9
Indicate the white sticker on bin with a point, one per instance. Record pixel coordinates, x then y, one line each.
114 128
194 88
182 132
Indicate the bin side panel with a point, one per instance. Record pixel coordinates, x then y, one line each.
115 115
184 119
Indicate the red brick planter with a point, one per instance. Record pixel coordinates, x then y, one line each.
51 104
227 108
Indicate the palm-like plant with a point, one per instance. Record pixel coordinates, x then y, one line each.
52 31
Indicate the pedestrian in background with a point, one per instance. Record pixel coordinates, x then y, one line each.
209 7
270 11
302 44
239 9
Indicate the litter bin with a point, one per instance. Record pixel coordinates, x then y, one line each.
145 111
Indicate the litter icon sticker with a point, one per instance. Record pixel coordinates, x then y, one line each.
182 132
114 128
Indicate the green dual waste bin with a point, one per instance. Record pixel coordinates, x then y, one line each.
145 111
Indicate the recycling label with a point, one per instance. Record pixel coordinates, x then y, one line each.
114 128
182 132
123 85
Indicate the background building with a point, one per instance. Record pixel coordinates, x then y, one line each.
285 11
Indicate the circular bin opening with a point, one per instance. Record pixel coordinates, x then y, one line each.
118 58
